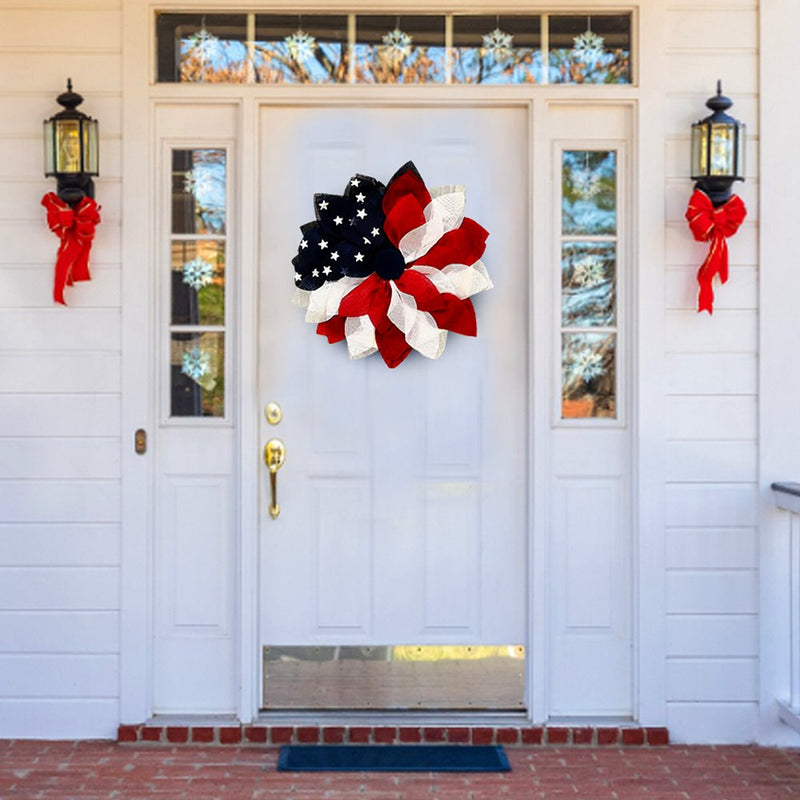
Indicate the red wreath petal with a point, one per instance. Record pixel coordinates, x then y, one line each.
406 214
455 315
372 296
464 245
392 344
419 287
332 328
405 183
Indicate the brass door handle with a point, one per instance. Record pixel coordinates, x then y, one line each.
274 456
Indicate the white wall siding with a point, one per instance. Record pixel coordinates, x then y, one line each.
711 404
59 394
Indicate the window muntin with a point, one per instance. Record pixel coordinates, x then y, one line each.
499 49
589 324
198 271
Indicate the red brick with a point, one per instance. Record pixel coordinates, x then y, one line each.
256 734
482 735
632 737
203 735
532 735
281 735
409 735
657 737
128 733
150 733
308 735
230 735
333 735
557 735
508 736
460 735
384 735
177 735
608 736
582 735
359 735
433 734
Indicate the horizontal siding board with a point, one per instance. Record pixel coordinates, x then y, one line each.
720 29
60 328
33 107
34 29
702 680
66 544
32 287
21 198
57 501
711 374
740 292
712 635
710 592
683 251
718 418
724 331
23 166
49 458
62 372
42 71
59 588
721 506
33 243
59 718
59 632
61 675
712 723
685 104
699 71
59 414
709 548
711 462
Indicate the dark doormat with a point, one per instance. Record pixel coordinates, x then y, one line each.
392 758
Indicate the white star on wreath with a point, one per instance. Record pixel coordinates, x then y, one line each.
195 363
498 45
588 271
198 273
398 44
204 45
588 364
588 47
301 46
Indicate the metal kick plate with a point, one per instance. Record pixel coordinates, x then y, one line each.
395 677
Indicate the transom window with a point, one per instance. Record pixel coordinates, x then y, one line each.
383 48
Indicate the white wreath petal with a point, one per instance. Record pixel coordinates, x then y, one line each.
324 302
420 328
444 213
360 335
462 280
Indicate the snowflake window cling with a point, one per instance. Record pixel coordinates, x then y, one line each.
588 46
203 45
196 363
301 44
587 364
198 273
587 271
397 43
497 44
586 182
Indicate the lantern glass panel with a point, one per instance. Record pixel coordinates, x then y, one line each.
90 148
741 138
699 150
49 148
723 139
68 151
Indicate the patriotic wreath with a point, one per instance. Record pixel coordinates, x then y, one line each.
390 268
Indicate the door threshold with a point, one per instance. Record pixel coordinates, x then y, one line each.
394 718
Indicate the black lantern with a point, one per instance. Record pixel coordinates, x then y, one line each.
71 149
718 150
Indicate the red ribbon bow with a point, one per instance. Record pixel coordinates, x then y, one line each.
75 227
709 224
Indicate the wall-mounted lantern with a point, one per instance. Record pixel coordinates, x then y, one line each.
71 151
71 157
714 213
718 149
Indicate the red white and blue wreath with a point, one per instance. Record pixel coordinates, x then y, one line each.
390 268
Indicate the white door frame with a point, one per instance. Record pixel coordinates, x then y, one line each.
138 369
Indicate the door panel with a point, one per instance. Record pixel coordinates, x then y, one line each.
403 494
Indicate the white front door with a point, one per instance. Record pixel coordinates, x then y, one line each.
404 491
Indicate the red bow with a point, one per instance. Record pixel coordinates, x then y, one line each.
75 227
709 224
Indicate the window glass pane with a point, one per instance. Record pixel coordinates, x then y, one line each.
198 283
589 192
588 284
588 380
301 49
400 49
590 49
197 373
202 47
496 49
198 191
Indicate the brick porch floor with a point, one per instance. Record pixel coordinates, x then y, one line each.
94 770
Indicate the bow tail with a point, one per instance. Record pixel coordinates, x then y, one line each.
69 253
716 263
